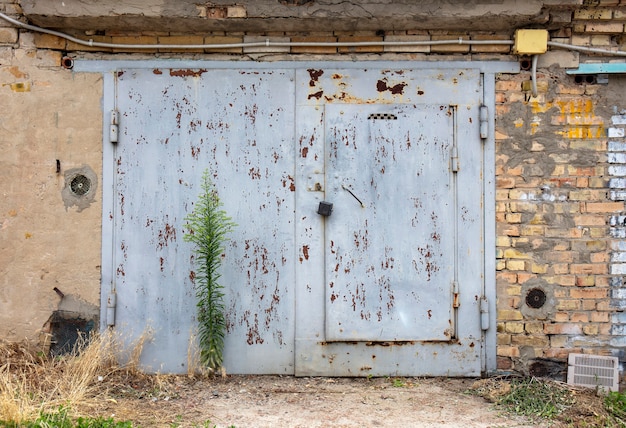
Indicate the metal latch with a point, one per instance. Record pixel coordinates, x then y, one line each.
325 208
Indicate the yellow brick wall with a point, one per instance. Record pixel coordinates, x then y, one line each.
554 210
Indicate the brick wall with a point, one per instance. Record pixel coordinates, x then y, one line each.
553 214
560 165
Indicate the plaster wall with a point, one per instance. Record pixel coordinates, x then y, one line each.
50 119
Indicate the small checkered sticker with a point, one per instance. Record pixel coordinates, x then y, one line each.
382 116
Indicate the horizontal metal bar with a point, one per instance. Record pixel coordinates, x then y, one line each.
600 68
101 66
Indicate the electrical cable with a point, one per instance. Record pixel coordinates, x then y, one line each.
267 42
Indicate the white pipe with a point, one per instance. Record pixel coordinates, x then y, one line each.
267 42
586 49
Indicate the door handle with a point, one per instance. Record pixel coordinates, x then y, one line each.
353 195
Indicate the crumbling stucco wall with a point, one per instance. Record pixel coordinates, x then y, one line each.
50 123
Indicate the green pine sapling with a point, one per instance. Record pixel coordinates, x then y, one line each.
207 226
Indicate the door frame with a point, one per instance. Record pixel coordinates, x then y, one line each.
488 70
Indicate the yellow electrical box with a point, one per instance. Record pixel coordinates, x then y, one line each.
530 42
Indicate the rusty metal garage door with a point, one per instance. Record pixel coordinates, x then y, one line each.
388 282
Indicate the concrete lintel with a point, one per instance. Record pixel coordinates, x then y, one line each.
271 15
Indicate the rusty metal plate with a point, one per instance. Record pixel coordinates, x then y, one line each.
398 154
391 238
173 125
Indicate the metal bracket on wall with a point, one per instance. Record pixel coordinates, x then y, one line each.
597 73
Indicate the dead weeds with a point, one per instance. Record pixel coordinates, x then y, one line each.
90 383
545 399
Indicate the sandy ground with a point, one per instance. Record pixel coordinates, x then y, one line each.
274 401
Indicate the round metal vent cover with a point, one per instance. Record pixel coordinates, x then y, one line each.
536 298
80 185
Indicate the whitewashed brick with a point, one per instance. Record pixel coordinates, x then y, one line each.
616 132
618 245
617 195
618 257
617 220
618 342
618 318
619 119
619 269
618 330
618 293
617 232
616 158
617 146
617 170
617 183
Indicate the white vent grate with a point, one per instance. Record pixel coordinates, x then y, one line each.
593 371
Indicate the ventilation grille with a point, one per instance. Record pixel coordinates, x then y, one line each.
382 116
593 371
80 185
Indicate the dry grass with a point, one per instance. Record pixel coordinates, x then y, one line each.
549 400
32 384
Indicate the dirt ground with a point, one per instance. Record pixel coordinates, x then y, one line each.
275 401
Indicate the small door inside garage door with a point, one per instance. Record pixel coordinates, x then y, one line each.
388 284
390 241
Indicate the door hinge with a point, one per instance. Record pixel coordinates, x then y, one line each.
111 306
484 122
113 130
484 313
455 295
455 159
